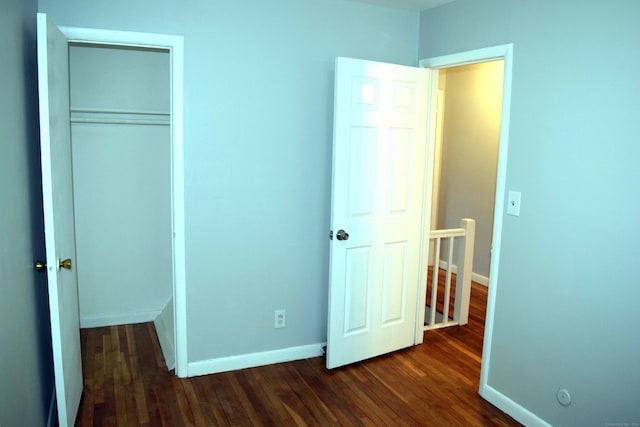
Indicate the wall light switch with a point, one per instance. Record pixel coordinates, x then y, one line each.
513 203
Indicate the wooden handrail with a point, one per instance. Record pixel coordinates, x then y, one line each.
448 232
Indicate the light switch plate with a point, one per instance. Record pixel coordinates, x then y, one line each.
513 203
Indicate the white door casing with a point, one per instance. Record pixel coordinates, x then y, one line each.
379 164
175 45
503 52
55 140
437 159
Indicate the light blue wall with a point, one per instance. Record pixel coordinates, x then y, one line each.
567 309
26 377
258 135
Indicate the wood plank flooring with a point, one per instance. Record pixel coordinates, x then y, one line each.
434 384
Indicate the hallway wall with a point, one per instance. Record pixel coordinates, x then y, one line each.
470 140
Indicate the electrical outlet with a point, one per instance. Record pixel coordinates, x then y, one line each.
279 320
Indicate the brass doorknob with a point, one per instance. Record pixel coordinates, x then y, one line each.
40 266
66 264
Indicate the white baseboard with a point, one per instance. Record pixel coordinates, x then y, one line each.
52 418
165 335
231 363
478 278
118 319
519 413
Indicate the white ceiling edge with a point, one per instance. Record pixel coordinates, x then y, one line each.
417 5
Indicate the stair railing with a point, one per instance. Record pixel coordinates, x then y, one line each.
464 237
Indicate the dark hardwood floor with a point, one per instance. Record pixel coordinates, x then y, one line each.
433 384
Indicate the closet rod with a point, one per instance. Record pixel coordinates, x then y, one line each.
119 111
120 121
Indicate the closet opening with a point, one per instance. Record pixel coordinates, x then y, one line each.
120 109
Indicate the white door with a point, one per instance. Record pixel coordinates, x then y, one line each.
53 87
379 161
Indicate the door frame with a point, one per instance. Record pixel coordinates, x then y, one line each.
175 46
505 53
437 163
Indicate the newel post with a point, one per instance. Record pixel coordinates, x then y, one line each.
465 270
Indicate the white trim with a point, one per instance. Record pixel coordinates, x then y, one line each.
175 46
437 164
120 111
113 116
118 319
427 198
480 279
519 413
165 333
231 363
120 38
469 57
162 331
476 277
504 52
100 121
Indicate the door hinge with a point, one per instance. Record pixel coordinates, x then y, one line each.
330 234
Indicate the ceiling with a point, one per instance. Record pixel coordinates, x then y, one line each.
418 5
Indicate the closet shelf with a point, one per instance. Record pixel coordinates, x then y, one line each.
119 116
